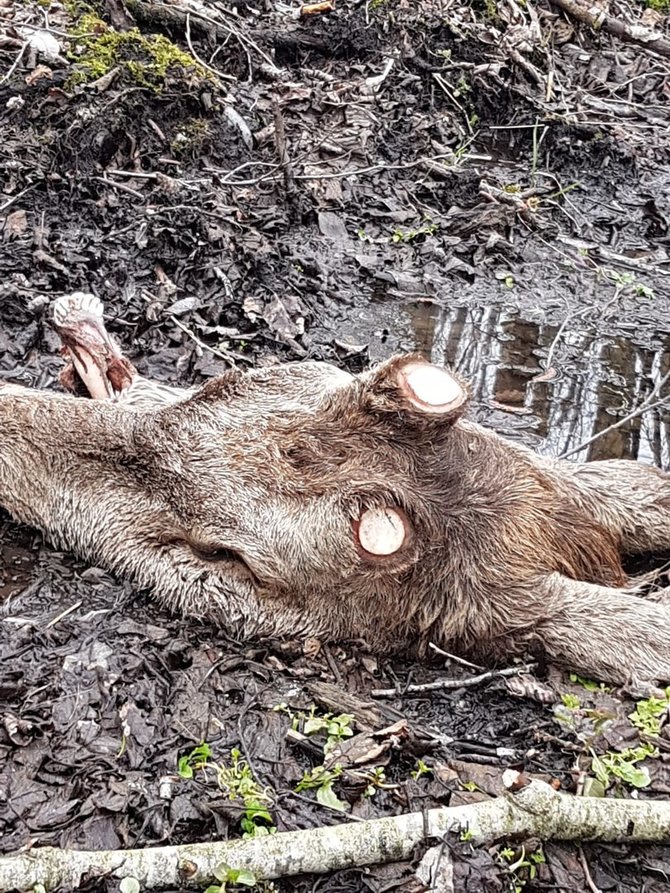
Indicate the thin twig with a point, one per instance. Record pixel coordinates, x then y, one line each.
121 187
587 873
459 660
648 403
199 60
552 347
63 614
282 147
213 350
15 63
450 684
15 198
244 39
338 175
141 175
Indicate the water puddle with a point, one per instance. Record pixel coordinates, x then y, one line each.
596 381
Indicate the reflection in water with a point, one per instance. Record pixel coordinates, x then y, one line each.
598 380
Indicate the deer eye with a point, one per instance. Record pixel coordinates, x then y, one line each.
222 555
213 553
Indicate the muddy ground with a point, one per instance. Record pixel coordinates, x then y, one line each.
487 183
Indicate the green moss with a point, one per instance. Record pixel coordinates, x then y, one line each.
98 48
659 5
190 136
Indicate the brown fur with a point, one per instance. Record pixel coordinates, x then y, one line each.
237 503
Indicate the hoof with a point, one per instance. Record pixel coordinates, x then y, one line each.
78 302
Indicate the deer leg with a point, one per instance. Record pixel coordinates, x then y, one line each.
628 498
610 634
95 357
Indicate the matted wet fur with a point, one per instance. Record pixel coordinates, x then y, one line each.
240 502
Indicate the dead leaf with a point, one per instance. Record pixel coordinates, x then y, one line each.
167 286
20 731
16 224
43 258
526 686
45 43
368 748
284 316
39 73
182 306
106 80
311 647
332 226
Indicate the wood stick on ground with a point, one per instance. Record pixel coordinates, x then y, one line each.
598 19
535 810
282 147
449 684
314 9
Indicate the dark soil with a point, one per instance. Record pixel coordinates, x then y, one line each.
459 207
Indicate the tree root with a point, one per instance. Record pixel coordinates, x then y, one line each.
528 809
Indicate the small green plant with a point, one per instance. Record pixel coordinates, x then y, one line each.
227 875
662 6
335 727
570 701
376 779
466 835
588 684
421 769
647 714
409 235
238 782
626 280
198 758
470 786
622 766
321 780
522 867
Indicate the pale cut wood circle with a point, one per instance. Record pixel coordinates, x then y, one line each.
432 388
381 531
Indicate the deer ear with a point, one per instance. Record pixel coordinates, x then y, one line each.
412 390
431 389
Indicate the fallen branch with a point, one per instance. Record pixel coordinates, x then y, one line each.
535 810
449 684
598 19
